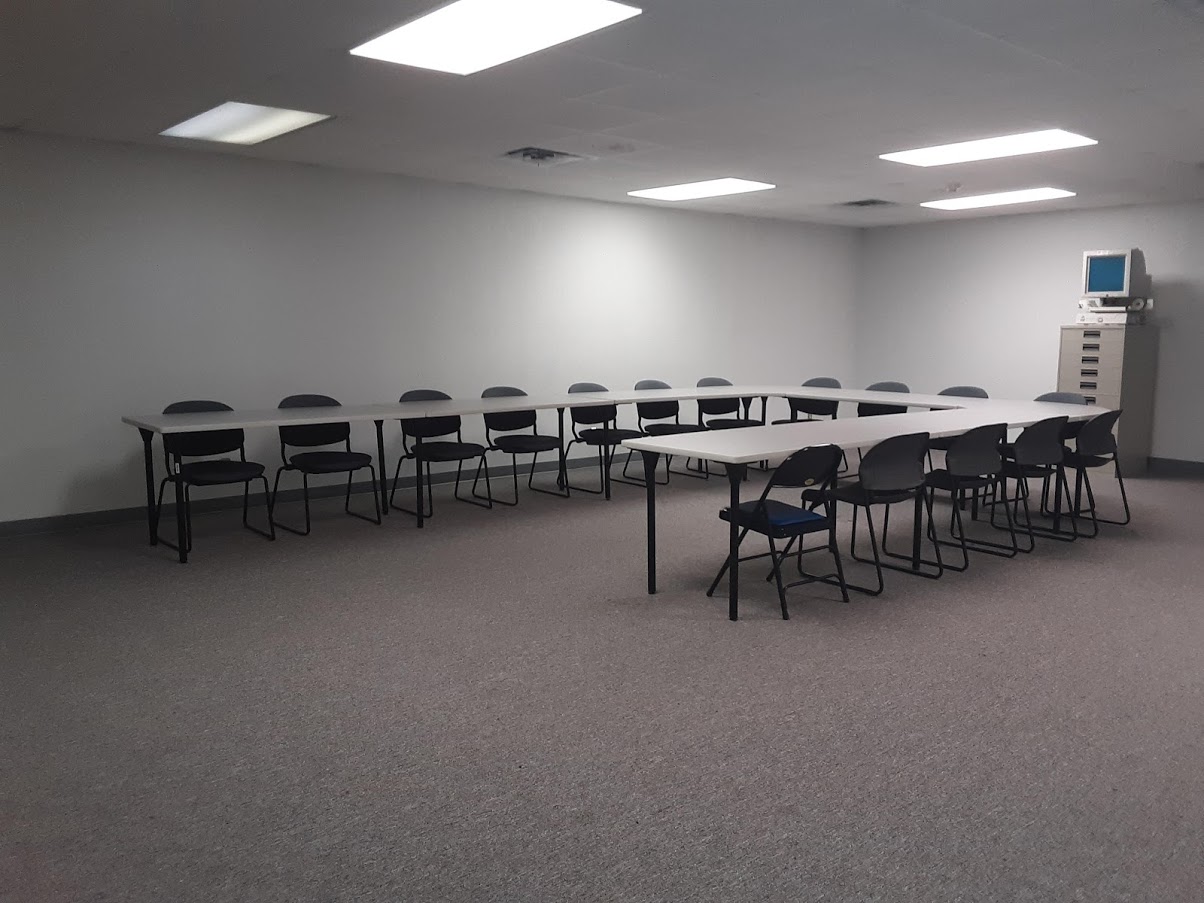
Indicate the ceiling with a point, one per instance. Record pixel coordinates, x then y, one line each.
801 93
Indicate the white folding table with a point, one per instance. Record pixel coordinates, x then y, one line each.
737 448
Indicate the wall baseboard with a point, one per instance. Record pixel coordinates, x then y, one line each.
1173 467
62 522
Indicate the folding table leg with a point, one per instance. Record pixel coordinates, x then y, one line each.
380 457
181 516
149 462
651 459
735 475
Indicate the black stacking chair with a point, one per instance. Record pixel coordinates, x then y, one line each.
1095 446
874 409
515 442
416 433
1038 453
312 463
601 432
810 469
717 408
222 472
892 472
813 408
942 443
1069 431
973 463
663 418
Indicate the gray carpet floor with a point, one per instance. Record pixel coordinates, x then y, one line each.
493 709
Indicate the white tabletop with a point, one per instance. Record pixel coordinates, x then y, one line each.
742 446
853 396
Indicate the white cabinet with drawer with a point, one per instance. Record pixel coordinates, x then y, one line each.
1115 366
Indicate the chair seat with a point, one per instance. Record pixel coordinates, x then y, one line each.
215 473
942 479
526 444
1014 470
777 517
598 436
671 429
856 494
448 451
330 461
732 423
1075 460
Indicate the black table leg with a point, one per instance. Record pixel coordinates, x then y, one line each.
418 480
651 459
563 479
149 461
380 460
735 474
606 453
917 527
181 520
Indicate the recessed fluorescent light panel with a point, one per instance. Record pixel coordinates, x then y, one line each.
1025 196
991 148
691 191
243 123
470 35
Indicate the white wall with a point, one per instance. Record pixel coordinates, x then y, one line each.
133 277
980 302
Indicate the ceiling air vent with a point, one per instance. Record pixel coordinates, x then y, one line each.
541 156
868 202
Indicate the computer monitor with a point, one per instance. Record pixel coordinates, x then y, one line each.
1106 274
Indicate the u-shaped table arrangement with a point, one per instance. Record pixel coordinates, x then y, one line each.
941 415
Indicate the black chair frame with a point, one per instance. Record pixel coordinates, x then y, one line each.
177 446
812 470
316 436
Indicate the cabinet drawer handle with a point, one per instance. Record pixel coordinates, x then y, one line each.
1090 399
1091 346
1092 334
1087 385
1090 358
1088 372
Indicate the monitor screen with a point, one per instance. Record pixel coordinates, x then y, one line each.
1106 275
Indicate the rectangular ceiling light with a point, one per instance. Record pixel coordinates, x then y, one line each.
1024 196
470 35
991 148
242 123
690 191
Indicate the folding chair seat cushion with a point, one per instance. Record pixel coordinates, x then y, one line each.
525 444
448 451
671 429
215 473
776 515
732 423
942 479
856 494
615 436
330 461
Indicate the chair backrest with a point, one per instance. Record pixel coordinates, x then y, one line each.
655 410
977 453
873 409
598 413
507 421
715 406
200 445
814 466
428 427
895 464
814 407
1062 397
965 392
314 434
1041 443
1095 437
